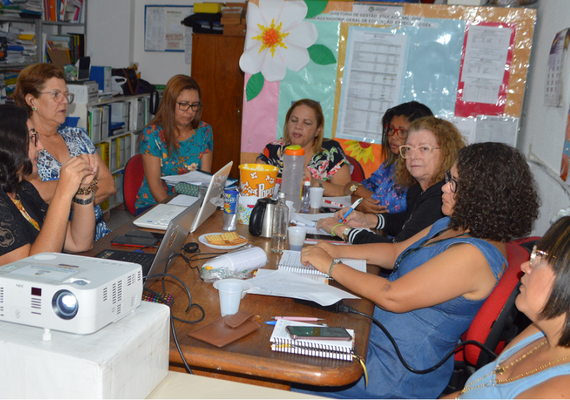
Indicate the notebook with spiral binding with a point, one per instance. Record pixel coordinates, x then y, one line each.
336 349
291 262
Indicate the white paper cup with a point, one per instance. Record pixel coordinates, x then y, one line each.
296 236
245 206
316 196
291 208
231 292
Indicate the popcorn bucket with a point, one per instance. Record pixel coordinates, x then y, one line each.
257 180
245 206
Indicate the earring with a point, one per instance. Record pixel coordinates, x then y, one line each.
33 108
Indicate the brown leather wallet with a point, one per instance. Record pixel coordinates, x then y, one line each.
227 329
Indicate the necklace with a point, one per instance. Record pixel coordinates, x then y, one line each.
500 370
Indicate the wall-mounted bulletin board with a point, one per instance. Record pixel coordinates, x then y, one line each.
468 64
163 30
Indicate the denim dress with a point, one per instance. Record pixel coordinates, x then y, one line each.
424 336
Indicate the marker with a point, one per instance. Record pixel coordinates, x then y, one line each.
351 209
300 319
334 203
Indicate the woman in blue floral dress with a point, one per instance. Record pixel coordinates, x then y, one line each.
42 91
380 193
325 162
175 142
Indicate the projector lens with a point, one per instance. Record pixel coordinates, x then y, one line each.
65 304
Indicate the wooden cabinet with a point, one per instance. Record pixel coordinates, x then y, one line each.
215 66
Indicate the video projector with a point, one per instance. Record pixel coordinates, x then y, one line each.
68 293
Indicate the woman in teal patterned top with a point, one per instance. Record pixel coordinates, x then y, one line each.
175 142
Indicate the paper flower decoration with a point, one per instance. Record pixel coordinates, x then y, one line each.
277 38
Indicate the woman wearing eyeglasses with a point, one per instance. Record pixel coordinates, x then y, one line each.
536 364
441 276
175 142
42 91
431 148
379 192
27 225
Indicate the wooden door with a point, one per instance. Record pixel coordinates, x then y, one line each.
215 66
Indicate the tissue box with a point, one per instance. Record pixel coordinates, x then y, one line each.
126 359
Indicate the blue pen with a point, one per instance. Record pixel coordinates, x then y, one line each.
351 209
270 322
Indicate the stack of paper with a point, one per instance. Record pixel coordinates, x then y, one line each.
194 178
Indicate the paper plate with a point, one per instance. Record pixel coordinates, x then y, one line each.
204 241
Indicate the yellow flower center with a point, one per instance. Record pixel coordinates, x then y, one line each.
271 37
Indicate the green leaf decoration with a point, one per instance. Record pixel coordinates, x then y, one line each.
321 54
315 7
254 86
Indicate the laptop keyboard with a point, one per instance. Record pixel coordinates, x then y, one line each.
166 218
144 259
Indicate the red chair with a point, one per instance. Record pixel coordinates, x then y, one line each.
494 325
133 176
358 173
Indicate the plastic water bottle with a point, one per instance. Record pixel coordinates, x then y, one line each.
280 224
292 175
306 203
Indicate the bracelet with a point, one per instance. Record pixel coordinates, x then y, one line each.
332 230
88 189
333 263
84 202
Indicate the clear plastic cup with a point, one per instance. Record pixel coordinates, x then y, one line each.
296 236
316 196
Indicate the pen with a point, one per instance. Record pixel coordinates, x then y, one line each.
351 209
275 322
300 319
334 203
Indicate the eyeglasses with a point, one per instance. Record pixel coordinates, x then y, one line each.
34 137
390 130
535 254
423 151
59 96
452 182
184 106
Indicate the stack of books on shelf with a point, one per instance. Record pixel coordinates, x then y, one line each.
63 10
22 8
233 19
21 46
71 44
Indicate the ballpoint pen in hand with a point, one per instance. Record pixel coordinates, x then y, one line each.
351 209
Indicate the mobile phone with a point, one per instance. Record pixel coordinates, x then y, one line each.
322 237
134 241
145 234
314 332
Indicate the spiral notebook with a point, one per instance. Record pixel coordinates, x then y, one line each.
291 262
336 349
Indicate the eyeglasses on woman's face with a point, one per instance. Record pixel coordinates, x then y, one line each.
536 256
452 182
185 106
34 137
58 96
424 151
390 130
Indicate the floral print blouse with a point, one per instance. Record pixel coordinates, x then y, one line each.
385 190
185 158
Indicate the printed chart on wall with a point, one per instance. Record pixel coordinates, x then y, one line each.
163 30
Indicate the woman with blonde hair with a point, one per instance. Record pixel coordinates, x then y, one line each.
175 142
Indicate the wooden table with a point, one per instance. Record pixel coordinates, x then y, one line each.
250 359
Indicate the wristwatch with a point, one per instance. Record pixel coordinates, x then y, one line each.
345 234
333 263
353 188
84 202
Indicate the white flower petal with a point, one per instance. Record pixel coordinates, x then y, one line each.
296 58
305 34
253 18
270 10
251 60
273 68
294 11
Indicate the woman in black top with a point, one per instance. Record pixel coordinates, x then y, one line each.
27 225
431 148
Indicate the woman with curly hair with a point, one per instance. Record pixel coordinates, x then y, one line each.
431 148
536 364
441 276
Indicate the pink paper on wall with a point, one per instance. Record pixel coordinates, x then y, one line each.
472 109
259 123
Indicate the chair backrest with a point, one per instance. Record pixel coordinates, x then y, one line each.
493 325
358 173
133 176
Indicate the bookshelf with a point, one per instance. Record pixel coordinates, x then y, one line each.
116 146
